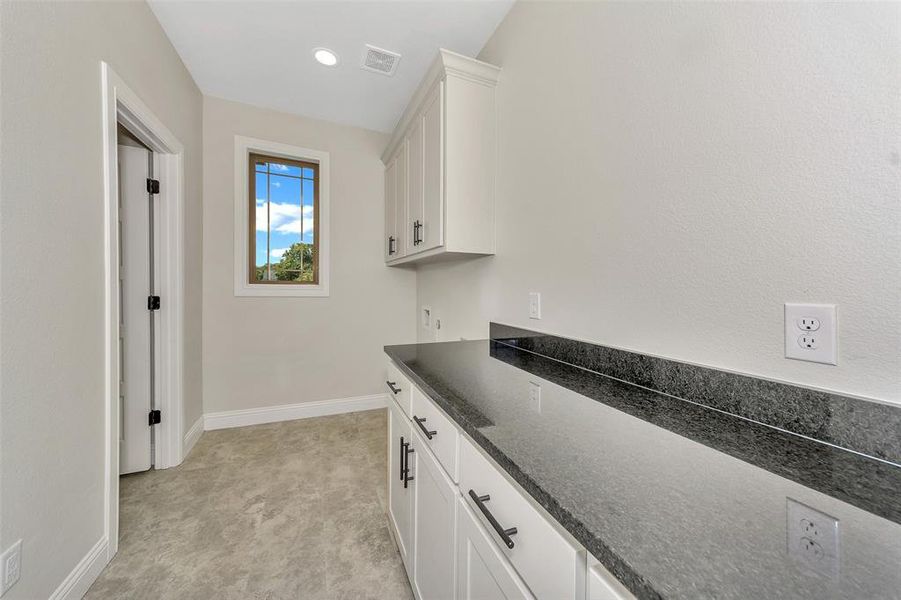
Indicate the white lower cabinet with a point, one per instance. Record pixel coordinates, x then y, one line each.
482 571
434 526
602 585
485 539
400 387
400 486
550 563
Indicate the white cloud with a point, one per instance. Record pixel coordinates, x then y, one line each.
277 167
285 218
277 252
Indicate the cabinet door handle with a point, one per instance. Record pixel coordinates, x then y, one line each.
503 533
428 434
392 388
407 452
403 455
391 241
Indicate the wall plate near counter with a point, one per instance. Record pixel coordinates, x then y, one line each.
811 333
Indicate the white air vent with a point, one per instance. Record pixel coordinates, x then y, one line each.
381 61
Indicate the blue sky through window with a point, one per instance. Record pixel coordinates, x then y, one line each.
284 209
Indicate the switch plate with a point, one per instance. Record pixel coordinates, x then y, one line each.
811 333
11 567
534 305
426 317
812 538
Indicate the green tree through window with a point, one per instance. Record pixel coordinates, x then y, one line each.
296 265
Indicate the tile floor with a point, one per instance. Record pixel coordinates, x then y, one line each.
279 511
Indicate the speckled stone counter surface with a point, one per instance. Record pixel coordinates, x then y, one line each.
676 499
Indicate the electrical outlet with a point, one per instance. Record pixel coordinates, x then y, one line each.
811 333
534 305
812 538
809 341
535 396
808 323
11 566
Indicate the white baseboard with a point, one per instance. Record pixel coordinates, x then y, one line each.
289 412
76 584
192 436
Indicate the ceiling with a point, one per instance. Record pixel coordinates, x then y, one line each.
260 52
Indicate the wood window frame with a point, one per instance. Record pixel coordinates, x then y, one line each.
254 157
243 286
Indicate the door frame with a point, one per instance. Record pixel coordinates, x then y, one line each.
121 104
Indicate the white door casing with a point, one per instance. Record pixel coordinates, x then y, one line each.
120 104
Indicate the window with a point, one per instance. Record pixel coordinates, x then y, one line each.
283 221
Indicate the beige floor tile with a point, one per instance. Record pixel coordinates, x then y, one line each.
292 510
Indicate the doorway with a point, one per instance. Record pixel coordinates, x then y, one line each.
138 331
163 155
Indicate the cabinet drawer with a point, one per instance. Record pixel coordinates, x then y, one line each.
483 573
550 564
438 432
602 585
398 387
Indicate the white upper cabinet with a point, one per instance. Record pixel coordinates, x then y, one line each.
443 198
390 210
396 205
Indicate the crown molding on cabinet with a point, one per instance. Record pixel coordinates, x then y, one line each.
446 64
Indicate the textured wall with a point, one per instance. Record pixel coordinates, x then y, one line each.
671 174
269 351
51 239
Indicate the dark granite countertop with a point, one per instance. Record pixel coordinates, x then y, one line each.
676 499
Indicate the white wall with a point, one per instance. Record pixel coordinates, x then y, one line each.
51 263
671 174
270 351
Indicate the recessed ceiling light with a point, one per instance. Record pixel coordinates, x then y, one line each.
325 56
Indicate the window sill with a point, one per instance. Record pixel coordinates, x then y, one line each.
282 290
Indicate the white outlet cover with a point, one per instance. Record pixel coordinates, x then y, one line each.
534 305
812 538
798 346
426 317
535 396
10 566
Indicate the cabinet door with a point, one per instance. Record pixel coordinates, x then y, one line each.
391 210
400 200
414 187
434 527
432 230
602 585
400 497
482 571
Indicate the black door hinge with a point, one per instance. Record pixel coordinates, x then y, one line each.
153 186
153 302
154 417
